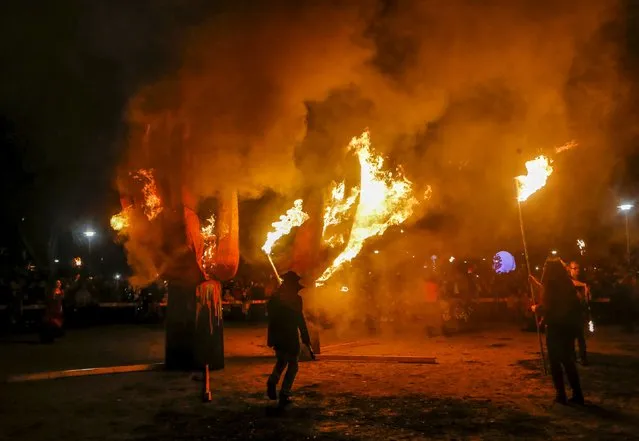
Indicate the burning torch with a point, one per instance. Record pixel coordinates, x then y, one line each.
294 217
539 169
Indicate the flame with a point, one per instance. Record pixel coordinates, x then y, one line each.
294 217
122 220
538 171
77 261
582 246
591 326
385 199
567 146
336 211
152 202
210 243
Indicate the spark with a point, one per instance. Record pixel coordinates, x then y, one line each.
582 246
210 243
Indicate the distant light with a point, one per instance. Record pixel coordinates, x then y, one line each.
465 261
89 233
401 231
376 251
483 258
553 252
56 260
344 289
116 277
625 207
452 259
413 257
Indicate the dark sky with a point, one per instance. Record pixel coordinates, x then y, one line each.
69 69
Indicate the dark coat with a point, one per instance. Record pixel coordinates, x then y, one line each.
286 322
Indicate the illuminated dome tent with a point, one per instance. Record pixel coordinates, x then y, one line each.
504 262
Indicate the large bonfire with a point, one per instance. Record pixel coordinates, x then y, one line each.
386 198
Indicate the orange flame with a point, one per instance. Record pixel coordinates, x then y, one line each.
77 261
210 243
152 202
294 217
336 211
385 199
539 169
122 220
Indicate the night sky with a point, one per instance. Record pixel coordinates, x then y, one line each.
70 70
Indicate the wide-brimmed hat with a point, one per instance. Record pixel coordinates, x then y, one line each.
292 277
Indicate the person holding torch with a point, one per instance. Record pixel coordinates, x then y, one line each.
285 324
562 315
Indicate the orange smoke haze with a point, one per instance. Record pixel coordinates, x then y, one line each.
459 93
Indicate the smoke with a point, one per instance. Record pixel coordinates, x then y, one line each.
461 94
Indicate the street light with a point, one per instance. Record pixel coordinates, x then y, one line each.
89 235
625 209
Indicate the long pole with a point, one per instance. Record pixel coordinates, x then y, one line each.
274 269
627 239
532 291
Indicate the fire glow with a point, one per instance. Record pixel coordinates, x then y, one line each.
294 217
385 199
152 202
210 243
539 169
336 211
121 221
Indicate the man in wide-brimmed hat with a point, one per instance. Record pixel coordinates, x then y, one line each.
285 324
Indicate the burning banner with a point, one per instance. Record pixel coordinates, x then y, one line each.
385 199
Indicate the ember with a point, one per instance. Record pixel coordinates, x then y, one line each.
152 202
210 243
385 199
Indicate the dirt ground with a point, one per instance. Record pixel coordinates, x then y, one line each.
486 385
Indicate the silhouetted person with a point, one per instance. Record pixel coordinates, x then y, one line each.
583 295
285 323
561 312
53 320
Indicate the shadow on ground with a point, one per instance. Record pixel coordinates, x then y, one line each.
347 416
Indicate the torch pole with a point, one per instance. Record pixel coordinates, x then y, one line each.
532 291
274 269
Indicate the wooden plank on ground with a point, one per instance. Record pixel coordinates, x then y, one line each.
378 358
84 372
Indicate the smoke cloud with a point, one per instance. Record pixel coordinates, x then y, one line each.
461 94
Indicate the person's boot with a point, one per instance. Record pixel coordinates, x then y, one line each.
271 390
561 399
285 400
577 399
